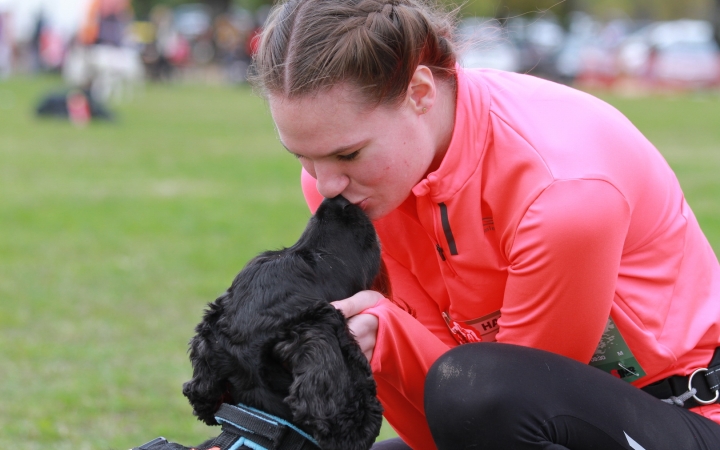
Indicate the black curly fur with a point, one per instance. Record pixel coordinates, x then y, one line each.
273 341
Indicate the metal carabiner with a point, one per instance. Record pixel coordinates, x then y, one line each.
690 388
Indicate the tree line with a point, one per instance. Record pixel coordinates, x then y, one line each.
503 9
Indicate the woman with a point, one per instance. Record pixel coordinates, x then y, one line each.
510 210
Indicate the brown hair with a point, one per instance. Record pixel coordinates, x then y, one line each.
309 46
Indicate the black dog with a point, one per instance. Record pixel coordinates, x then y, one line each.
274 343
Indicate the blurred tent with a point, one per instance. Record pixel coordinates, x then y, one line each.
63 16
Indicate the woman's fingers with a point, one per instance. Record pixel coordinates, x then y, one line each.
363 326
358 303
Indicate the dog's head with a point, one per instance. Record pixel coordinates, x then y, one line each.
273 341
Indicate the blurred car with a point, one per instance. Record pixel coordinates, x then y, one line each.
583 34
484 43
688 63
680 53
588 55
544 38
546 35
193 21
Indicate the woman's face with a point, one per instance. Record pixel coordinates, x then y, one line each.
372 156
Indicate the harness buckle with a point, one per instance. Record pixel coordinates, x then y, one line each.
690 388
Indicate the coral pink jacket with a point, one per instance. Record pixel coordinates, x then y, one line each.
551 223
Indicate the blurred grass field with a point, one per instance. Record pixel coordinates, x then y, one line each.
114 237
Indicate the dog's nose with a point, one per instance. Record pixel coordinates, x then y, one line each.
341 201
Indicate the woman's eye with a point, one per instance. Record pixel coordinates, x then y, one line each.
349 157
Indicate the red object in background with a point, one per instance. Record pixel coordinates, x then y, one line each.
52 49
179 51
253 41
78 108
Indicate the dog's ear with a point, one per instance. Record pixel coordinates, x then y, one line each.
333 394
208 388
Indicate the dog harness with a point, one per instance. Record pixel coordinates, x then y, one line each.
246 428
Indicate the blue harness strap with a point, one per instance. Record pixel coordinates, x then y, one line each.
244 428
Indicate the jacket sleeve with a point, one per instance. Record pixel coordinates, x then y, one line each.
404 351
409 340
564 263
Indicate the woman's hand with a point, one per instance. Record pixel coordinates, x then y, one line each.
363 326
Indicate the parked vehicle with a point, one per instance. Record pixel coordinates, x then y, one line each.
589 55
681 53
485 43
542 39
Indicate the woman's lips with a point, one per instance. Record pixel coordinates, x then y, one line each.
362 204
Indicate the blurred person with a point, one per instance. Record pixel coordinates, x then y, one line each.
106 22
102 62
228 40
6 44
46 46
551 287
52 49
227 36
34 44
168 49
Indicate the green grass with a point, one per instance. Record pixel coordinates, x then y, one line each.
114 237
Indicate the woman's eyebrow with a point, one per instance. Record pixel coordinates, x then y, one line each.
336 151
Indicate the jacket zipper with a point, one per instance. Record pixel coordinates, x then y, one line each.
440 251
446 229
448 237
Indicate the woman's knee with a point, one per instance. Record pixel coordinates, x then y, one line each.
474 391
473 379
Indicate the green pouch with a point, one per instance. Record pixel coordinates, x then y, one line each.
614 356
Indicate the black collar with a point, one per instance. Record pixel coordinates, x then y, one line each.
245 427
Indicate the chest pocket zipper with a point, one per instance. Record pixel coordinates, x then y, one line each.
447 230
450 239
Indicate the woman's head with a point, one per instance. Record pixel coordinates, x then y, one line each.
309 46
362 92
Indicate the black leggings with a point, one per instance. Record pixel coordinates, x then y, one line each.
506 397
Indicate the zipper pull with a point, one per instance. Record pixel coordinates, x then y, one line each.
463 335
440 251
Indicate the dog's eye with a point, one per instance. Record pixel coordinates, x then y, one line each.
349 157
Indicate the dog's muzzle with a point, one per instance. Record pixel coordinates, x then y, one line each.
245 428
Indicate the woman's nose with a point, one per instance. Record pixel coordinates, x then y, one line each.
330 183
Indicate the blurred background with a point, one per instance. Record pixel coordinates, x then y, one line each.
103 44
139 173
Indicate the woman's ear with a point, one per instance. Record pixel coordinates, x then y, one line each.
422 90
